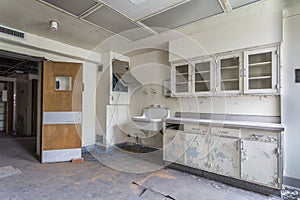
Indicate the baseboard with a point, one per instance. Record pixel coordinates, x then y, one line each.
227 180
91 147
291 182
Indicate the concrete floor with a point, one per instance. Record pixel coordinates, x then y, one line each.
94 180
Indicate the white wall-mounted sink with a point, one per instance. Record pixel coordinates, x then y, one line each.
152 118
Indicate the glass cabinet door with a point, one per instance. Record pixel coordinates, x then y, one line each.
260 73
229 73
182 78
202 78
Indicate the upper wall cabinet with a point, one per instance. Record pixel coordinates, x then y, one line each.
261 71
229 78
244 72
194 78
181 77
202 78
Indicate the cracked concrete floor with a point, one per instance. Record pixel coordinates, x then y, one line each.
94 180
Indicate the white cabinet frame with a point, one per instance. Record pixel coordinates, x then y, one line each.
212 74
274 71
219 78
173 79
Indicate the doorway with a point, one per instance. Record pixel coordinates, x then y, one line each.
19 96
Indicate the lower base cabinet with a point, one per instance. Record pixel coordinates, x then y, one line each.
259 163
253 156
224 156
173 150
196 151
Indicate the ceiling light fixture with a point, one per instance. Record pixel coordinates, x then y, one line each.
54 25
137 2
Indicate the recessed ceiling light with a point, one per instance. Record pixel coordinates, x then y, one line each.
137 2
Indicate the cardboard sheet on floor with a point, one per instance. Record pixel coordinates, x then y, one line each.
181 187
7 171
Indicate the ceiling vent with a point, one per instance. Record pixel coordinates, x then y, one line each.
12 32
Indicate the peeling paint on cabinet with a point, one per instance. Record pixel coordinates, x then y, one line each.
196 150
174 146
259 163
224 156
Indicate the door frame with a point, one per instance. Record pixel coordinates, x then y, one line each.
39 60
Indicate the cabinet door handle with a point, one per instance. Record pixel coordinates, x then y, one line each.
241 73
242 145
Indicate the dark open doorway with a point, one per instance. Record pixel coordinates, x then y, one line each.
19 96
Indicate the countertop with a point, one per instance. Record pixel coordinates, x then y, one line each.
227 123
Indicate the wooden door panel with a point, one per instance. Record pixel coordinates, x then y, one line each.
61 136
67 136
62 100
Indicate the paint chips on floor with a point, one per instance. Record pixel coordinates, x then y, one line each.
290 193
7 171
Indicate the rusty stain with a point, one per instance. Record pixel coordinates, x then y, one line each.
106 176
161 174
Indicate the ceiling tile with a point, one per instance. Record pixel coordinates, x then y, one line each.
140 10
136 34
184 14
110 20
239 3
75 7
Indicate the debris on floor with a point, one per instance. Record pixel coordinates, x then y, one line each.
99 181
78 160
290 193
7 171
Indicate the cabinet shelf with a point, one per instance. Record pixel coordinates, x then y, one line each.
259 64
181 83
230 67
204 81
181 74
260 77
230 80
201 72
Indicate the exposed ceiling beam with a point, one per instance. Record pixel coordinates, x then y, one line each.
225 6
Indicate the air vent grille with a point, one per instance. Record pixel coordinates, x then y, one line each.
12 32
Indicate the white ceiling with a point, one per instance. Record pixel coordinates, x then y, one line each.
150 16
143 9
88 23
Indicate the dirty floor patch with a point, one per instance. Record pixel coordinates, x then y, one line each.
7 171
172 184
290 193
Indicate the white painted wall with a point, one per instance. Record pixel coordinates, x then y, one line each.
254 29
291 94
42 47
